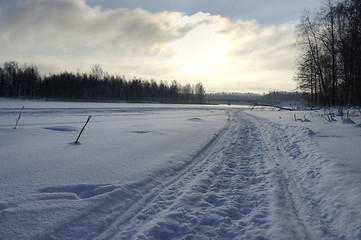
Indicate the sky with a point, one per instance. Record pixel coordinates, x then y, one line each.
228 45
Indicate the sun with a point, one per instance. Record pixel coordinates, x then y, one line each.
201 50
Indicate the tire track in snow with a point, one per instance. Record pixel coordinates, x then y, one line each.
234 188
243 192
224 197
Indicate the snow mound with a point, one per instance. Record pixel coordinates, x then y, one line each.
81 191
143 131
195 119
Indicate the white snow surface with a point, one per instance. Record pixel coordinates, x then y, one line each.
158 171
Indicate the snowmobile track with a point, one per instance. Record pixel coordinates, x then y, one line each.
234 188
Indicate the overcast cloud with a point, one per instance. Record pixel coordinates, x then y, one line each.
225 53
266 12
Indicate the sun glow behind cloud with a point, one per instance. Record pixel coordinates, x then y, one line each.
225 54
202 49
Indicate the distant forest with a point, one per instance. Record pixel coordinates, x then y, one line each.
329 65
272 97
26 82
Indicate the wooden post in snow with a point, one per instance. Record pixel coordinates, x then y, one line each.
17 120
81 131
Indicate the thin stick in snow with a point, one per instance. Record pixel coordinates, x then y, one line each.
81 131
17 120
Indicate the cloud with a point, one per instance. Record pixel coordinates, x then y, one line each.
266 12
262 57
225 54
73 23
250 40
237 55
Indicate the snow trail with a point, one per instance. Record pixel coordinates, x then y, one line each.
211 199
232 189
255 179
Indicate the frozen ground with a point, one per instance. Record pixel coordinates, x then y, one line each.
177 172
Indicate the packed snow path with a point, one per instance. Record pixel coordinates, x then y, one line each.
254 180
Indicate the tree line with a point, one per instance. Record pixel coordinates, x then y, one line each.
26 82
329 65
276 96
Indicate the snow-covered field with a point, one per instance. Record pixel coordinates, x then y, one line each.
146 171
